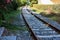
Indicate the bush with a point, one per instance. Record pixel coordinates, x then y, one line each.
21 2
33 2
6 8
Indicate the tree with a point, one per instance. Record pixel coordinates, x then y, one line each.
33 2
22 2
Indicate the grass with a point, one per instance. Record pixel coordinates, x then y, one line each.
11 15
54 17
14 27
41 8
36 10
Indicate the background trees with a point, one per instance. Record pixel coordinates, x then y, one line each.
33 2
21 2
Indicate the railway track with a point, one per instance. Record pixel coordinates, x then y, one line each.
38 28
53 24
3 35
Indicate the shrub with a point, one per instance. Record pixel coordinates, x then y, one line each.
21 2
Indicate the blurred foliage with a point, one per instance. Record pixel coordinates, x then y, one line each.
21 2
33 2
12 5
54 8
11 15
55 15
8 16
7 8
9 12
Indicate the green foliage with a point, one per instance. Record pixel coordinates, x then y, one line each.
15 6
33 2
14 27
9 18
11 15
56 8
22 2
12 6
54 17
6 8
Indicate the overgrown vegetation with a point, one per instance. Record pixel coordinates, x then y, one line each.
33 2
54 9
8 13
55 17
40 8
9 18
21 2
